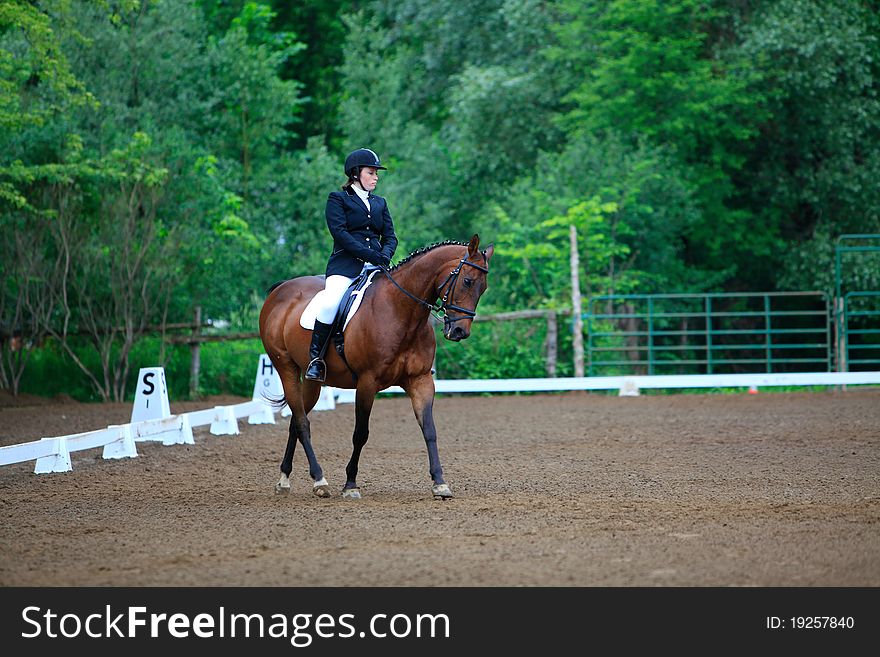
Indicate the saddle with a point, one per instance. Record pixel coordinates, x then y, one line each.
348 306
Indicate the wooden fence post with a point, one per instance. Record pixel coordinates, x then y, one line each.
195 355
552 332
578 341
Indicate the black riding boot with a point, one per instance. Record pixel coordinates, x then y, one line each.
317 370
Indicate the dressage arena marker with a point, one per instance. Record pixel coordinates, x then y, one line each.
151 395
266 385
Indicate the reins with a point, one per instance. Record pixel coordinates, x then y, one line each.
442 310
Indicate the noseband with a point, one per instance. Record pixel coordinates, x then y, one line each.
442 309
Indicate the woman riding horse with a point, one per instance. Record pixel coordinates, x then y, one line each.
388 342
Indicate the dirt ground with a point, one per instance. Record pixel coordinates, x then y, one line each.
773 489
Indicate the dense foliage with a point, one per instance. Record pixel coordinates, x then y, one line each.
159 156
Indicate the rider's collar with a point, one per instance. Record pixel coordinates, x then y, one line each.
364 194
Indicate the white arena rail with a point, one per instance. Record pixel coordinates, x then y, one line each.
152 420
629 385
53 454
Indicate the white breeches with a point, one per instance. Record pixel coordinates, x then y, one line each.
327 300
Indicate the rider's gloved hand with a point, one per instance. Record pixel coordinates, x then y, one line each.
373 257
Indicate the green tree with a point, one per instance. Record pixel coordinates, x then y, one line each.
37 84
459 102
252 108
167 199
658 70
815 168
376 112
645 236
318 24
117 277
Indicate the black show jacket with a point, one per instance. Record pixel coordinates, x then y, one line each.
357 232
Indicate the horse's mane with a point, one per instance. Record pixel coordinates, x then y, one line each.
412 255
425 249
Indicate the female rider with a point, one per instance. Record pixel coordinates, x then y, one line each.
363 233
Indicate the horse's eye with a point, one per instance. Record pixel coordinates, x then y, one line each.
468 282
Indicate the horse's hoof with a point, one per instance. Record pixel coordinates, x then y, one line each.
442 492
282 490
351 493
321 488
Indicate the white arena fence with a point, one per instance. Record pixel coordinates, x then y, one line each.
630 385
152 420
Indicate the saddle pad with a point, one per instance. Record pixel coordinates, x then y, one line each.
307 319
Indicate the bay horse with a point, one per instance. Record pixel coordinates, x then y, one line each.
388 342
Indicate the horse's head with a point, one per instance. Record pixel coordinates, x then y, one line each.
461 290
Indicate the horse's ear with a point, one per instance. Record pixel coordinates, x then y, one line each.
489 251
474 246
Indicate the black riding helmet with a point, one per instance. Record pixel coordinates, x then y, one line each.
362 157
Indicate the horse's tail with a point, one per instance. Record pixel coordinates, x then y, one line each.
276 403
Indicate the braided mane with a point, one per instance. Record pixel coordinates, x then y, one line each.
425 249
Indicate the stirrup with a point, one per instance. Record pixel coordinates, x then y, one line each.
317 370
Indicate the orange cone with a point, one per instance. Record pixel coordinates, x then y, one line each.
753 390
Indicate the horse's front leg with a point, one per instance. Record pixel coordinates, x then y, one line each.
421 393
320 487
363 406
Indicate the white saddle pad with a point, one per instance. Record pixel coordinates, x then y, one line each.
307 319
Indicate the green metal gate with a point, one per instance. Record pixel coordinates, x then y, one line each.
857 313
708 333
861 331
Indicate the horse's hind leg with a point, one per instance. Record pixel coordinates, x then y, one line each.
363 406
283 485
289 374
311 391
299 430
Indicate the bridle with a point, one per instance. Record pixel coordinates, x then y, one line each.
441 307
